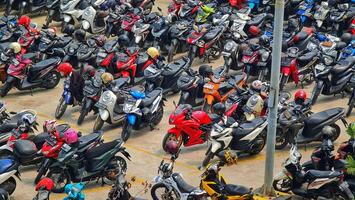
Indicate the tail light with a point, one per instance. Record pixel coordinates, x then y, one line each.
96 98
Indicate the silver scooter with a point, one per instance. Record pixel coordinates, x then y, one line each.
110 110
90 19
71 11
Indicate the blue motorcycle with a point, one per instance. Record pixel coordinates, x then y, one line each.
8 172
74 191
348 51
142 110
253 4
305 11
66 99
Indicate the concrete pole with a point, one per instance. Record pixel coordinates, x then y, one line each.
273 97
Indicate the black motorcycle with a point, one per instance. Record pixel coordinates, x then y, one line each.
92 92
351 102
165 77
177 35
98 162
119 190
332 80
191 87
50 45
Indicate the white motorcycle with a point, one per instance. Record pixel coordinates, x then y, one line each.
109 110
71 10
249 137
92 21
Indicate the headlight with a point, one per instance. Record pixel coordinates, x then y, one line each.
200 43
86 25
4 57
71 50
265 56
67 18
229 46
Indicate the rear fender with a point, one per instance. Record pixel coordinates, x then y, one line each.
174 131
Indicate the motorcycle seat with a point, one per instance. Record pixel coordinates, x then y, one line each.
256 20
150 97
63 41
172 68
43 64
39 139
183 186
101 149
314 174
87 139
307 56
248 127
343 65
318 118
7 127
237 190
212 33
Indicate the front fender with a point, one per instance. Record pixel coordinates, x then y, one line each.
174 131
88 104
215 146
104 114
286 71
68 97
280 176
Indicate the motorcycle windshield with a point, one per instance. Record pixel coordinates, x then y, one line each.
182 108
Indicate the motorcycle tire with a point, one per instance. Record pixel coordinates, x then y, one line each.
315 95
126 131
337 132
41 172
82 116
165 195
351 106
285 186
217 47
191 55
283 82
338 194
281 140
61 108
9 185
207 159
171 53
51 80
48 20
60 179
158 115
261 137
99 123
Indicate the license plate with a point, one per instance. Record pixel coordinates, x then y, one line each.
320 67
66 148
15 62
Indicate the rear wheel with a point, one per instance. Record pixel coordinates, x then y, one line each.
160 191
351 104
126 131
99 123
60 179
315 95
283 185
51 80
259 143
171 52
61 108
338 194
9 185
158 115
281 140
337 132
283 82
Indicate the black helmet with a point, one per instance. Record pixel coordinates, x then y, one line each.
219 108
80 35
205 70
123 41
4 195
69 29
264 41
292 24
346 37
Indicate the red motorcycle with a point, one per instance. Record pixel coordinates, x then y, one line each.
205 42
128 21
191 127
173 10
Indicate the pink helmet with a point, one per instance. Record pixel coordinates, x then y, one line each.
49 126
71 136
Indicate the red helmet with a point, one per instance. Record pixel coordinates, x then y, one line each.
65 68
46 184
24 21
254 30
172 147
300 96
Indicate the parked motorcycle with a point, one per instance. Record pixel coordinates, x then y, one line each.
173 184
142 111
323 184
44 188
119 190
53 11
249 137
177 35
341 75
351 102
98 162
92 20
191 86
72 10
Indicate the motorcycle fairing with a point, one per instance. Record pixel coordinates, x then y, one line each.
131 118
5 165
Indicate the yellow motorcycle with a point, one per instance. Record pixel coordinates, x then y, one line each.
216 186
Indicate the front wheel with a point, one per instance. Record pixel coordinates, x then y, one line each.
99 123
283 82
282 185
281 140
351 104
315 95
172 51
82 116
192 54
9 185
51 80
161 191
41 172
337 132
208 158
126 131
61 108
60 179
